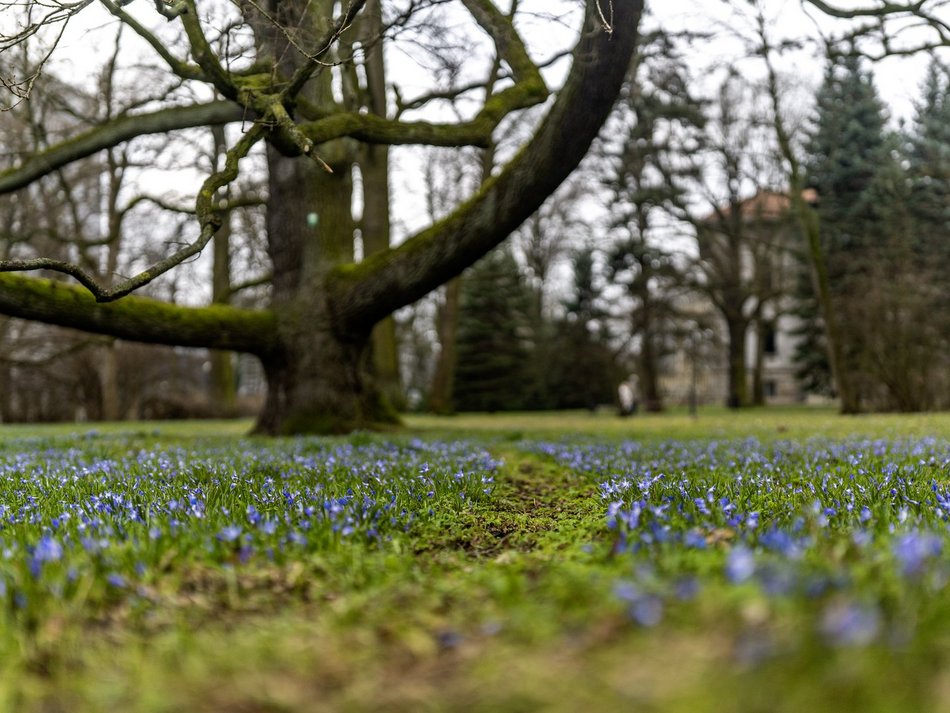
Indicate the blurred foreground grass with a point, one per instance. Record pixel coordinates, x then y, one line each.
507 603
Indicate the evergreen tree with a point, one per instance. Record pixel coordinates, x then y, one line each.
929 159
493 342
879 259
929 206
846 153
582 367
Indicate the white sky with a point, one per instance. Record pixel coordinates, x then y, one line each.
898 79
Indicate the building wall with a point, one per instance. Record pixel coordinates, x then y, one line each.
711 375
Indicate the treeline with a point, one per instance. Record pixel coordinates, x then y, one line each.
677 259
693 251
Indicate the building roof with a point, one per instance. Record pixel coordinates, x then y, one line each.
764 205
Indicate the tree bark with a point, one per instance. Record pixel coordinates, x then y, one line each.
738 385
443 381
139 319
376 231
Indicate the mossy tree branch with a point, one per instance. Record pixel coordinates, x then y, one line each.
181 68
208 219
139 318
362 294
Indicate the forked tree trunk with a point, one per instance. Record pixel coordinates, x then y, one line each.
313 341
321 382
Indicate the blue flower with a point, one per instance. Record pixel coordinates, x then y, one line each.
850 624
230 533
914 549
48 549
647 611
740 564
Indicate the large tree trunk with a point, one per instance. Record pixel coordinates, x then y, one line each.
319 381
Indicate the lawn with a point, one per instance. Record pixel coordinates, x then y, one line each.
783 560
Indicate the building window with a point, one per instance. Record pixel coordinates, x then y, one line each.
770 339
771 389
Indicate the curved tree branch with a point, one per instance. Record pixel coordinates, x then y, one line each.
364 293
208 218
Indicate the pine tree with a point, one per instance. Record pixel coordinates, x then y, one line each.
493 340
846 153
582 368
881 290
929 158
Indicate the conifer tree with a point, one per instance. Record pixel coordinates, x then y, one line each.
929 206
493 340
583 369
879 259
845 153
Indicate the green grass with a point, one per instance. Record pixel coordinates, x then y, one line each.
507 601
710 423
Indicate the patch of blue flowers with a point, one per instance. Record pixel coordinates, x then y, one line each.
66 515
825 519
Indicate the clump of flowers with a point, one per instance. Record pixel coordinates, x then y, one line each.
66 515
805 519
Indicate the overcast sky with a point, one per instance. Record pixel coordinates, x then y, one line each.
898 79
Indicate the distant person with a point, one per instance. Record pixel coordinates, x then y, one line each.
627 396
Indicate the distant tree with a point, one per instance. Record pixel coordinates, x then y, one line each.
494 342
745 237
583 370
657 122
926 217
853 164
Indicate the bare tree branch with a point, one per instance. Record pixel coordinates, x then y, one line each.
208 219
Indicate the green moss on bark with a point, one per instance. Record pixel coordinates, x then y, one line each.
138 318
